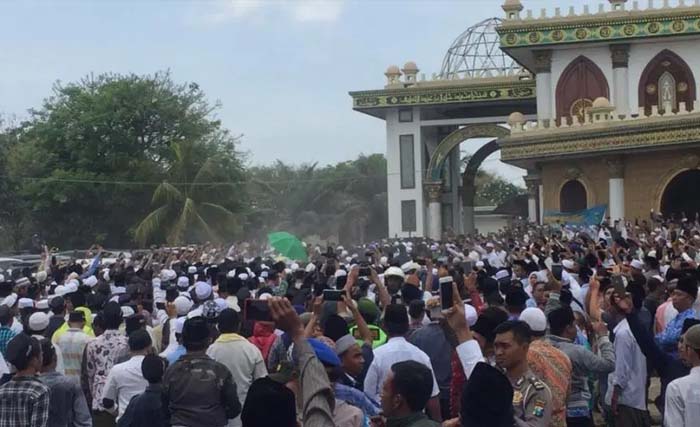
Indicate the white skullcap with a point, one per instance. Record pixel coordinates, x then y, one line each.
191 269
535 319
409 266
294 267
167 275
221 305
311 267
568 264
394 271
72 286
287 271
264 296
479 264
183 282
231 274
59 290
502 274
180 324
263 274
637 264
383 260
183 305
42 304
9 300
489 245
127 311
202 290
25 303
118 290
243 276
470 314
90 281
344 254
341 273
38 321
652 254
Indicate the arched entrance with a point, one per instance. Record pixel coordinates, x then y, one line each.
679 195
433 182
573 196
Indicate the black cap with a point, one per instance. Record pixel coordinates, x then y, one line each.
688 285
57 303
396 314
134 322
195 330
76 316
19 350
487 398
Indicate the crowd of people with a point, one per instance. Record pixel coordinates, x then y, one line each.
533 326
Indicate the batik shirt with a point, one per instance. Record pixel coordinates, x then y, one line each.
101 354
668 339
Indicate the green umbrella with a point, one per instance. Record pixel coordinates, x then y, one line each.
287 245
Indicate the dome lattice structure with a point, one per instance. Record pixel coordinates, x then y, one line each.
476 53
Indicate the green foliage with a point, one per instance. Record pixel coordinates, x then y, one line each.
346 200
84 161
492 190
189 211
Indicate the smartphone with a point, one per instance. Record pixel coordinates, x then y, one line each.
256 310
332 295
446 292
556 271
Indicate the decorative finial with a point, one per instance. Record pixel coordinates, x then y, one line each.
618 4
410 71
512 8
393 75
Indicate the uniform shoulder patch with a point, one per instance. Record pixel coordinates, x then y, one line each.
539 385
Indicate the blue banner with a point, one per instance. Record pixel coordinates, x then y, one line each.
585 218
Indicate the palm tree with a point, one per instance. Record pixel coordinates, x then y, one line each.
185 208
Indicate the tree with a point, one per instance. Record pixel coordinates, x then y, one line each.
89 158
187 207
347 200
493 190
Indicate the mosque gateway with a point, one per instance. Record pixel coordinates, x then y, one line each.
598 103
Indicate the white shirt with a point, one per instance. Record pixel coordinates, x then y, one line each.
683 400
630 370
395 350
125 381
243 359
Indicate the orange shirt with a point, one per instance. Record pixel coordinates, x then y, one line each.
553 367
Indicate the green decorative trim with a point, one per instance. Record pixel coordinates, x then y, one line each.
575 141
554 32
414 96
437 160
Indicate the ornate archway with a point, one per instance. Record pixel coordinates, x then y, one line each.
667 79
579 85
663 199
433 182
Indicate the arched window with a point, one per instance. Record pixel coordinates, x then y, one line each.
579 85
666 81
573 197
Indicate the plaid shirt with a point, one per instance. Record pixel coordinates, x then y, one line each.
6 334
24 401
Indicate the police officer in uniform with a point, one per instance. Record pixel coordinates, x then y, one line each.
532 399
